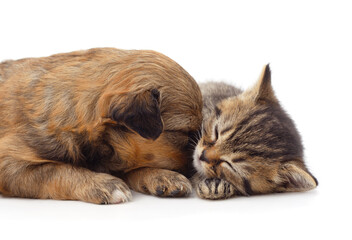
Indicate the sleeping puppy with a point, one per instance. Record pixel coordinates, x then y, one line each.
81 125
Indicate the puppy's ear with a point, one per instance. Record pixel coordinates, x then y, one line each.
141 114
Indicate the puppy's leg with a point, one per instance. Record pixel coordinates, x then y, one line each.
159 182
23 174
212 188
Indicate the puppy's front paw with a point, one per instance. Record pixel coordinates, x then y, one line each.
168 184
106 189
214 188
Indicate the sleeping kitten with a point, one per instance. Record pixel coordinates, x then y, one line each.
249 145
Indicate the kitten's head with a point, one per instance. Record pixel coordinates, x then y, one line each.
251 142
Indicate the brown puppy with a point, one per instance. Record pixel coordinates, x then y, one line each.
71 121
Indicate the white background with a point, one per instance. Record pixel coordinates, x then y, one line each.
309 46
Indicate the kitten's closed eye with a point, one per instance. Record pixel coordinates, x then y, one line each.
216 132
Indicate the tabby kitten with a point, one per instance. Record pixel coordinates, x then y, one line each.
249 145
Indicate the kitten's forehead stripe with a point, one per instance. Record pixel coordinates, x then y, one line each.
217 112
263 154
226 130
266 138
238 137
246 120
269 141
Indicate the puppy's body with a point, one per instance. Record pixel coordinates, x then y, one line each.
69 120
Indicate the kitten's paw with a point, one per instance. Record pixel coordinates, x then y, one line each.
169 184
215 188
107 189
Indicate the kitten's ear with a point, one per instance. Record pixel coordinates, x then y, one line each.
295 179
141 113
262 90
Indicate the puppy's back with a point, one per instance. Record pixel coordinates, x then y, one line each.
63 99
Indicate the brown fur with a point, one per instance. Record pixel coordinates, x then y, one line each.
249 144
69 121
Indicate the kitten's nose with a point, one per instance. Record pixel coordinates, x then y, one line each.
203 157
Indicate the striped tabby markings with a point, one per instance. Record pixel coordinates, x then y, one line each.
247 187
245 121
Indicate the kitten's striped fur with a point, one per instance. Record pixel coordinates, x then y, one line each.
249 145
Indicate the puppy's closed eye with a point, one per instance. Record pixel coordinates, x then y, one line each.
141 114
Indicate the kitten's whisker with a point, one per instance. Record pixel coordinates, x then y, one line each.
194 143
